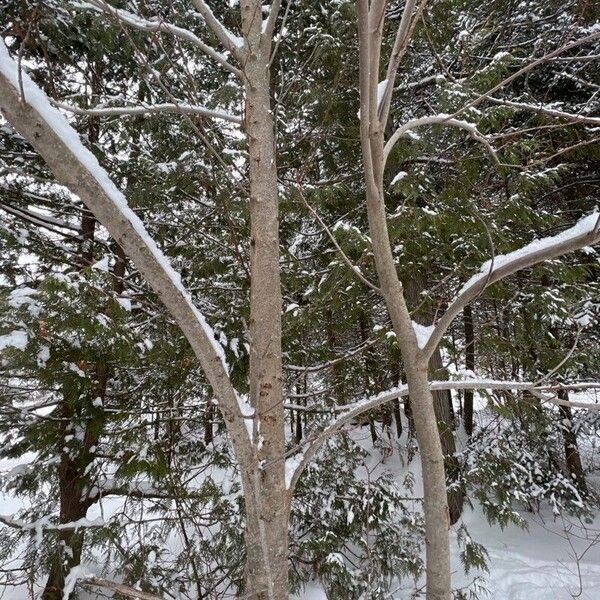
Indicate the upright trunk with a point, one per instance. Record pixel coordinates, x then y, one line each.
572 456
67 553
470 365
435 504
267 505
442 402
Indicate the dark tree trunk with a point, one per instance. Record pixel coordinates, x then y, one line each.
397 418
572 456
470 365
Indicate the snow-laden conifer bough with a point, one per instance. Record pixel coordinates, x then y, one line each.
260 445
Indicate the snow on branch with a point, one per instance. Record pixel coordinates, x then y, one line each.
547 110
231 42
440 119
584 233
28 109
158 25
126 111
298 460
44 524
78 575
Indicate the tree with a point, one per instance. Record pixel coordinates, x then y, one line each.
255 421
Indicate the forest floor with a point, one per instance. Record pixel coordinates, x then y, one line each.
552 559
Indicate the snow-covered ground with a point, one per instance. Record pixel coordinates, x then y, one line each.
551 560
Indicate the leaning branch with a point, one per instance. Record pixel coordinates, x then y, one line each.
123 590
230 41
132 20
440 119
545 110
585 233
350 412
132 111
77 168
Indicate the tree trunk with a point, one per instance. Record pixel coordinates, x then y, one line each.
267 505
442 402
572 456
397 418
470 365
72 472
70 542
437 516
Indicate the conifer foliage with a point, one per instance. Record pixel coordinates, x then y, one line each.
284 286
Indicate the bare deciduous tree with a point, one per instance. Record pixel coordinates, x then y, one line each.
256 424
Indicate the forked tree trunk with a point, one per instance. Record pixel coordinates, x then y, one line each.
437 522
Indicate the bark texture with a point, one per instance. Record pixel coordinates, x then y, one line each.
267 506
470 365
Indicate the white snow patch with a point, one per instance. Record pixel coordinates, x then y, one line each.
423 333
101 265
399 177
291 466
15 339
247 412
381 91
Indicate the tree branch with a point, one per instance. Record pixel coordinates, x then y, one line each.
120 588
551 112
269 24
298 462
137 22
77 168
441 119
231 42
584 233
126 111
403 35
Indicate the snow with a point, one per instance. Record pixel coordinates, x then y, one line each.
584 226
381 91
423 333
42 356
540 562
101 265
36 98
401 175
247 411
20 296
45 524
15 339
291 465
78 572
124 302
